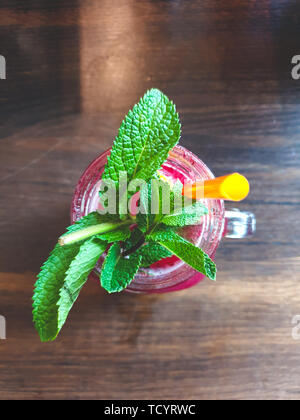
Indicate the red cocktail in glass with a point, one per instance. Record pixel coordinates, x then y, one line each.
169 274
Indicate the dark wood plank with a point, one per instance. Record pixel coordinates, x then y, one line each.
73 70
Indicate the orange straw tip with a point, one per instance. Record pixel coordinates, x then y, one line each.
234 187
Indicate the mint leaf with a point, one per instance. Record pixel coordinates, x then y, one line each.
51 278
76 276
184 212
186 251
120 234
156 200
47 288
152 166
150 130
117 271
152 252
144 218
190 215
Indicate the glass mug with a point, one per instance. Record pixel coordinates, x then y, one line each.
170 274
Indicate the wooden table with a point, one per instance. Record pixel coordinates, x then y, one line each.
73 70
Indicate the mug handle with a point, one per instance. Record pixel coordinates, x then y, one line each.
239 224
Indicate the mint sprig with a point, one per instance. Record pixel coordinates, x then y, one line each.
150 130
49 283
185 250
76 276
118 271
54 272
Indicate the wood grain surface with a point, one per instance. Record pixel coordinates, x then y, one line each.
73 70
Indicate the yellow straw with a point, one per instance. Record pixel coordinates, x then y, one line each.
233 187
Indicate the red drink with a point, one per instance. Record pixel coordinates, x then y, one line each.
169 274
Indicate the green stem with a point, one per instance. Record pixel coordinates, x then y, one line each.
79 235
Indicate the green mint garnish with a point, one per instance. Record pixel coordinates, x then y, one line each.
152 252
118 271
47 290
76 276
188 216
53 275
146 136
145 218
185 250
150 130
